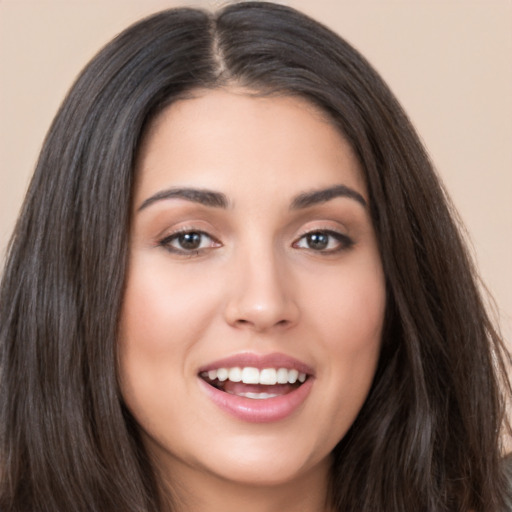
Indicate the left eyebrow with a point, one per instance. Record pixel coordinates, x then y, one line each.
315 197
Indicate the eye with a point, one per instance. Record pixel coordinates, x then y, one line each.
188 242
324 241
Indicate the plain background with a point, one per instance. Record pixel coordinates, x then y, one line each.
449 62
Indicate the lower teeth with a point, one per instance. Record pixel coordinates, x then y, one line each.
256 396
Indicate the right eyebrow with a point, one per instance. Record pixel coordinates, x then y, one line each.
205 197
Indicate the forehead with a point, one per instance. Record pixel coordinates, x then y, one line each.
227 138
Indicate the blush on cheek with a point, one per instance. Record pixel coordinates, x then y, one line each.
355 321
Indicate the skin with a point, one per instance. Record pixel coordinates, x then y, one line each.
255 285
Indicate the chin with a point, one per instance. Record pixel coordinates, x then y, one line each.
262 460
271 471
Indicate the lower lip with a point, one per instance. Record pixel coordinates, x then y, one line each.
263 410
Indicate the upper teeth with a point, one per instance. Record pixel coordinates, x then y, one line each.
251 375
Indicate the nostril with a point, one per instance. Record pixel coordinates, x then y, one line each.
260 325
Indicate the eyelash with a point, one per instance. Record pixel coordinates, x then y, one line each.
167 241
343 242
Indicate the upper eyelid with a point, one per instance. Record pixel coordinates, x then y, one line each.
330 232
345 240
166 243
324 229
198 226
179 232
208 232
186 228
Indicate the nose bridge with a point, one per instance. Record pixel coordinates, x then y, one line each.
260 295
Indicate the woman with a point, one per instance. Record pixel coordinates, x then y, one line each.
236 283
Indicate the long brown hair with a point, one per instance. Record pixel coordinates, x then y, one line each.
428 435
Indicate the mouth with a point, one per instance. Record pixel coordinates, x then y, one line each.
258 388
255 383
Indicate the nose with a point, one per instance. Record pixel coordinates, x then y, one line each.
261 295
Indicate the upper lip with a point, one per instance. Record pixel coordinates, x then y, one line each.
260 361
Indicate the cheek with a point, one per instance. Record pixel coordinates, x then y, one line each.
348 315
163 310
164 315
349 309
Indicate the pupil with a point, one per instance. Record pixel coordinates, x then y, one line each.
190 240
318 240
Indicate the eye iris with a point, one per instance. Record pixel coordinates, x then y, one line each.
190 241
317 240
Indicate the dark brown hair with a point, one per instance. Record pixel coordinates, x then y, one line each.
428 436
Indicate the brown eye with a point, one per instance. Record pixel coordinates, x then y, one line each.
188 242
324 241
317 241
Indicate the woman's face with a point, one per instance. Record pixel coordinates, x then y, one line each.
253 311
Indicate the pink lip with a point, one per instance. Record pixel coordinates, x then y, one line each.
259 410
260 361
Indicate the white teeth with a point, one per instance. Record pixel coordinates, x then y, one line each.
268 376
292 376
222 374
258 396
282 376
250 375
235 374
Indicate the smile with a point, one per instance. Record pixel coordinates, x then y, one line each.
257 389
253 383
249 375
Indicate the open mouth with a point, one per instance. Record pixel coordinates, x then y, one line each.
250 382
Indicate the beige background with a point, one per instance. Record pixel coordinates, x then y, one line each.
449 62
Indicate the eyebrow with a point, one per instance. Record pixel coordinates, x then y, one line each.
201 196
315 197
219 200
